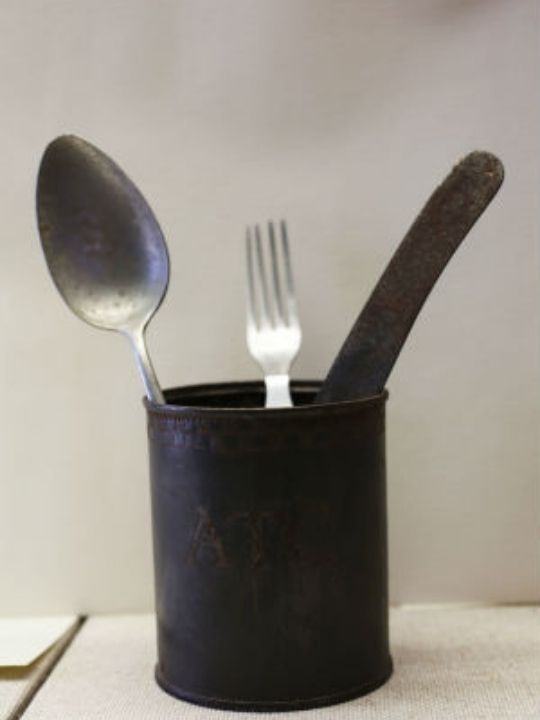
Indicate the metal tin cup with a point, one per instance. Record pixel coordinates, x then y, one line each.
270 548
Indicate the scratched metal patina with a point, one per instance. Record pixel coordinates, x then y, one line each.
269 546
363 365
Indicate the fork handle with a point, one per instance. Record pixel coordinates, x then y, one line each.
277 391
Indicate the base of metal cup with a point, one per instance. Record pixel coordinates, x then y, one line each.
273 705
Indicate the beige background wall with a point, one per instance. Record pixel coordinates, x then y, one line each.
342 116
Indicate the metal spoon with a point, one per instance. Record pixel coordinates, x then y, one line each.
104 248
367 357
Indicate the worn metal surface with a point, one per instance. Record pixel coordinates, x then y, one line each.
103 245
367 357
270 547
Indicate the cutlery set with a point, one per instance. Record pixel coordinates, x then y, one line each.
269 528
108 258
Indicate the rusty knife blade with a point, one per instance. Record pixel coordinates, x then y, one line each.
367 357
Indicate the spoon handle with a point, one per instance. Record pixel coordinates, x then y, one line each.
375 341
146 369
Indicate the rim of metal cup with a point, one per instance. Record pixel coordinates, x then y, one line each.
254 386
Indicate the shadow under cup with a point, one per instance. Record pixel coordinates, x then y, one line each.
270 550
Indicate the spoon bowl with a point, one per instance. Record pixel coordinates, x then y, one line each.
103 245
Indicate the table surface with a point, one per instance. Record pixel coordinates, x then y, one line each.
481 663
20 684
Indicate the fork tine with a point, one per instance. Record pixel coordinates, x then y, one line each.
265 316
277 296
273 329
251 299
292 310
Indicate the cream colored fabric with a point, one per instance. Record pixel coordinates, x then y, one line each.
450 664
14 685
18 684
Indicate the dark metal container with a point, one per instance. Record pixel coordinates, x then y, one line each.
270 547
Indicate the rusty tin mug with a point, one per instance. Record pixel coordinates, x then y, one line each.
270 550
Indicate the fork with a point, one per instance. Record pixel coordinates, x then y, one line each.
273 329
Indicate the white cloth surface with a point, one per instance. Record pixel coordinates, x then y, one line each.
18 683
14 685
477 663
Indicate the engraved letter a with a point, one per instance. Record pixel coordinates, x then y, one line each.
205 539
